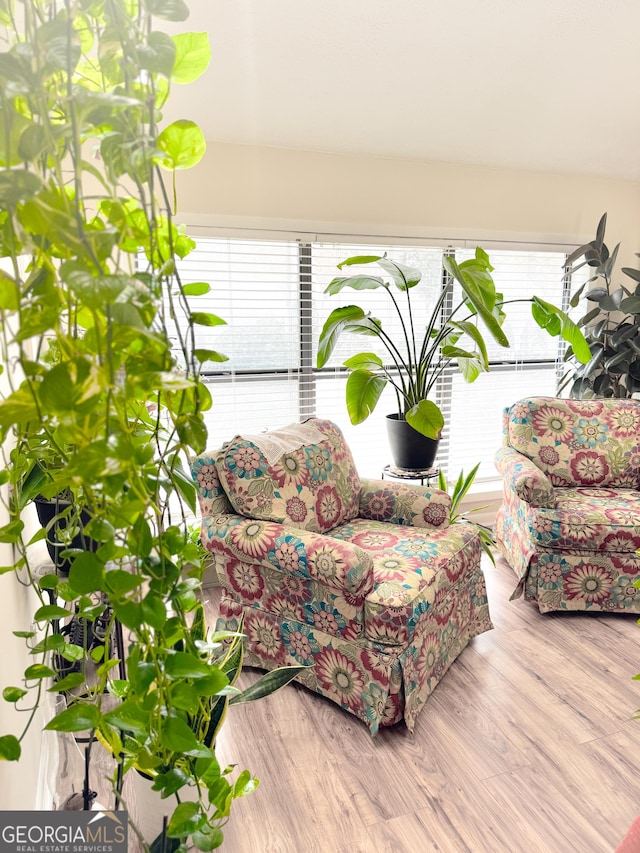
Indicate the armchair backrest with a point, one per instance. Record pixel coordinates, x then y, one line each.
578 442
302 475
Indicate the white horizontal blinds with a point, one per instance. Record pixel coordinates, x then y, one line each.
271 293
473 430
255 288
473 412
367 440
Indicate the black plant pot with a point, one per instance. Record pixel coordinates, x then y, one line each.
410 450
48 514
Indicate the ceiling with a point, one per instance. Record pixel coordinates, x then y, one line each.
545 85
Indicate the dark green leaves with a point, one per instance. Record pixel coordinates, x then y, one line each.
13 694
9 748
76 718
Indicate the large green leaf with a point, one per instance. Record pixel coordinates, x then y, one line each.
363 392
86 573
336 323
359 260
178 736
474 278
206 318
130 717
193 54
403 276
76 718
9 748
426 418
357 282
184 665
183 144
556 321
364 360
469 363
50 611
475 334
184 820
18 408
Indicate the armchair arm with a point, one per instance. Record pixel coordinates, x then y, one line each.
522 477
399 503
311 556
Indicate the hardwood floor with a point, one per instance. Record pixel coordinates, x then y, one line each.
526 746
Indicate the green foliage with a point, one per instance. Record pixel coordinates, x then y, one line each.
457 493
417 360
101 413
611 322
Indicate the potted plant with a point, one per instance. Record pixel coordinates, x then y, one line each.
612 324
418 358
104 402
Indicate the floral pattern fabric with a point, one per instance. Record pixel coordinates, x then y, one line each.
399 503
579 442
381 607
377 672
522 477
578 552
315 487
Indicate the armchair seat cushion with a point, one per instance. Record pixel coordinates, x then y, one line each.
414 571
606 520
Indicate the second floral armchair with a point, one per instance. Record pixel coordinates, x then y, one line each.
365 579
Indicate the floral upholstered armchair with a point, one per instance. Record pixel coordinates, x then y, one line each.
365 580
570 521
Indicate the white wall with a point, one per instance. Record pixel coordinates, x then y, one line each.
333 192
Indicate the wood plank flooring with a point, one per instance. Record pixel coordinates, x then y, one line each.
526 746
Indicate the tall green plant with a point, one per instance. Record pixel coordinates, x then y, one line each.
611 321
417 359
105 402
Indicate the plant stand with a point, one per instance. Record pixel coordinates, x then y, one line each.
393 473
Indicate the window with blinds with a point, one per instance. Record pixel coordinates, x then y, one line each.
271 294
